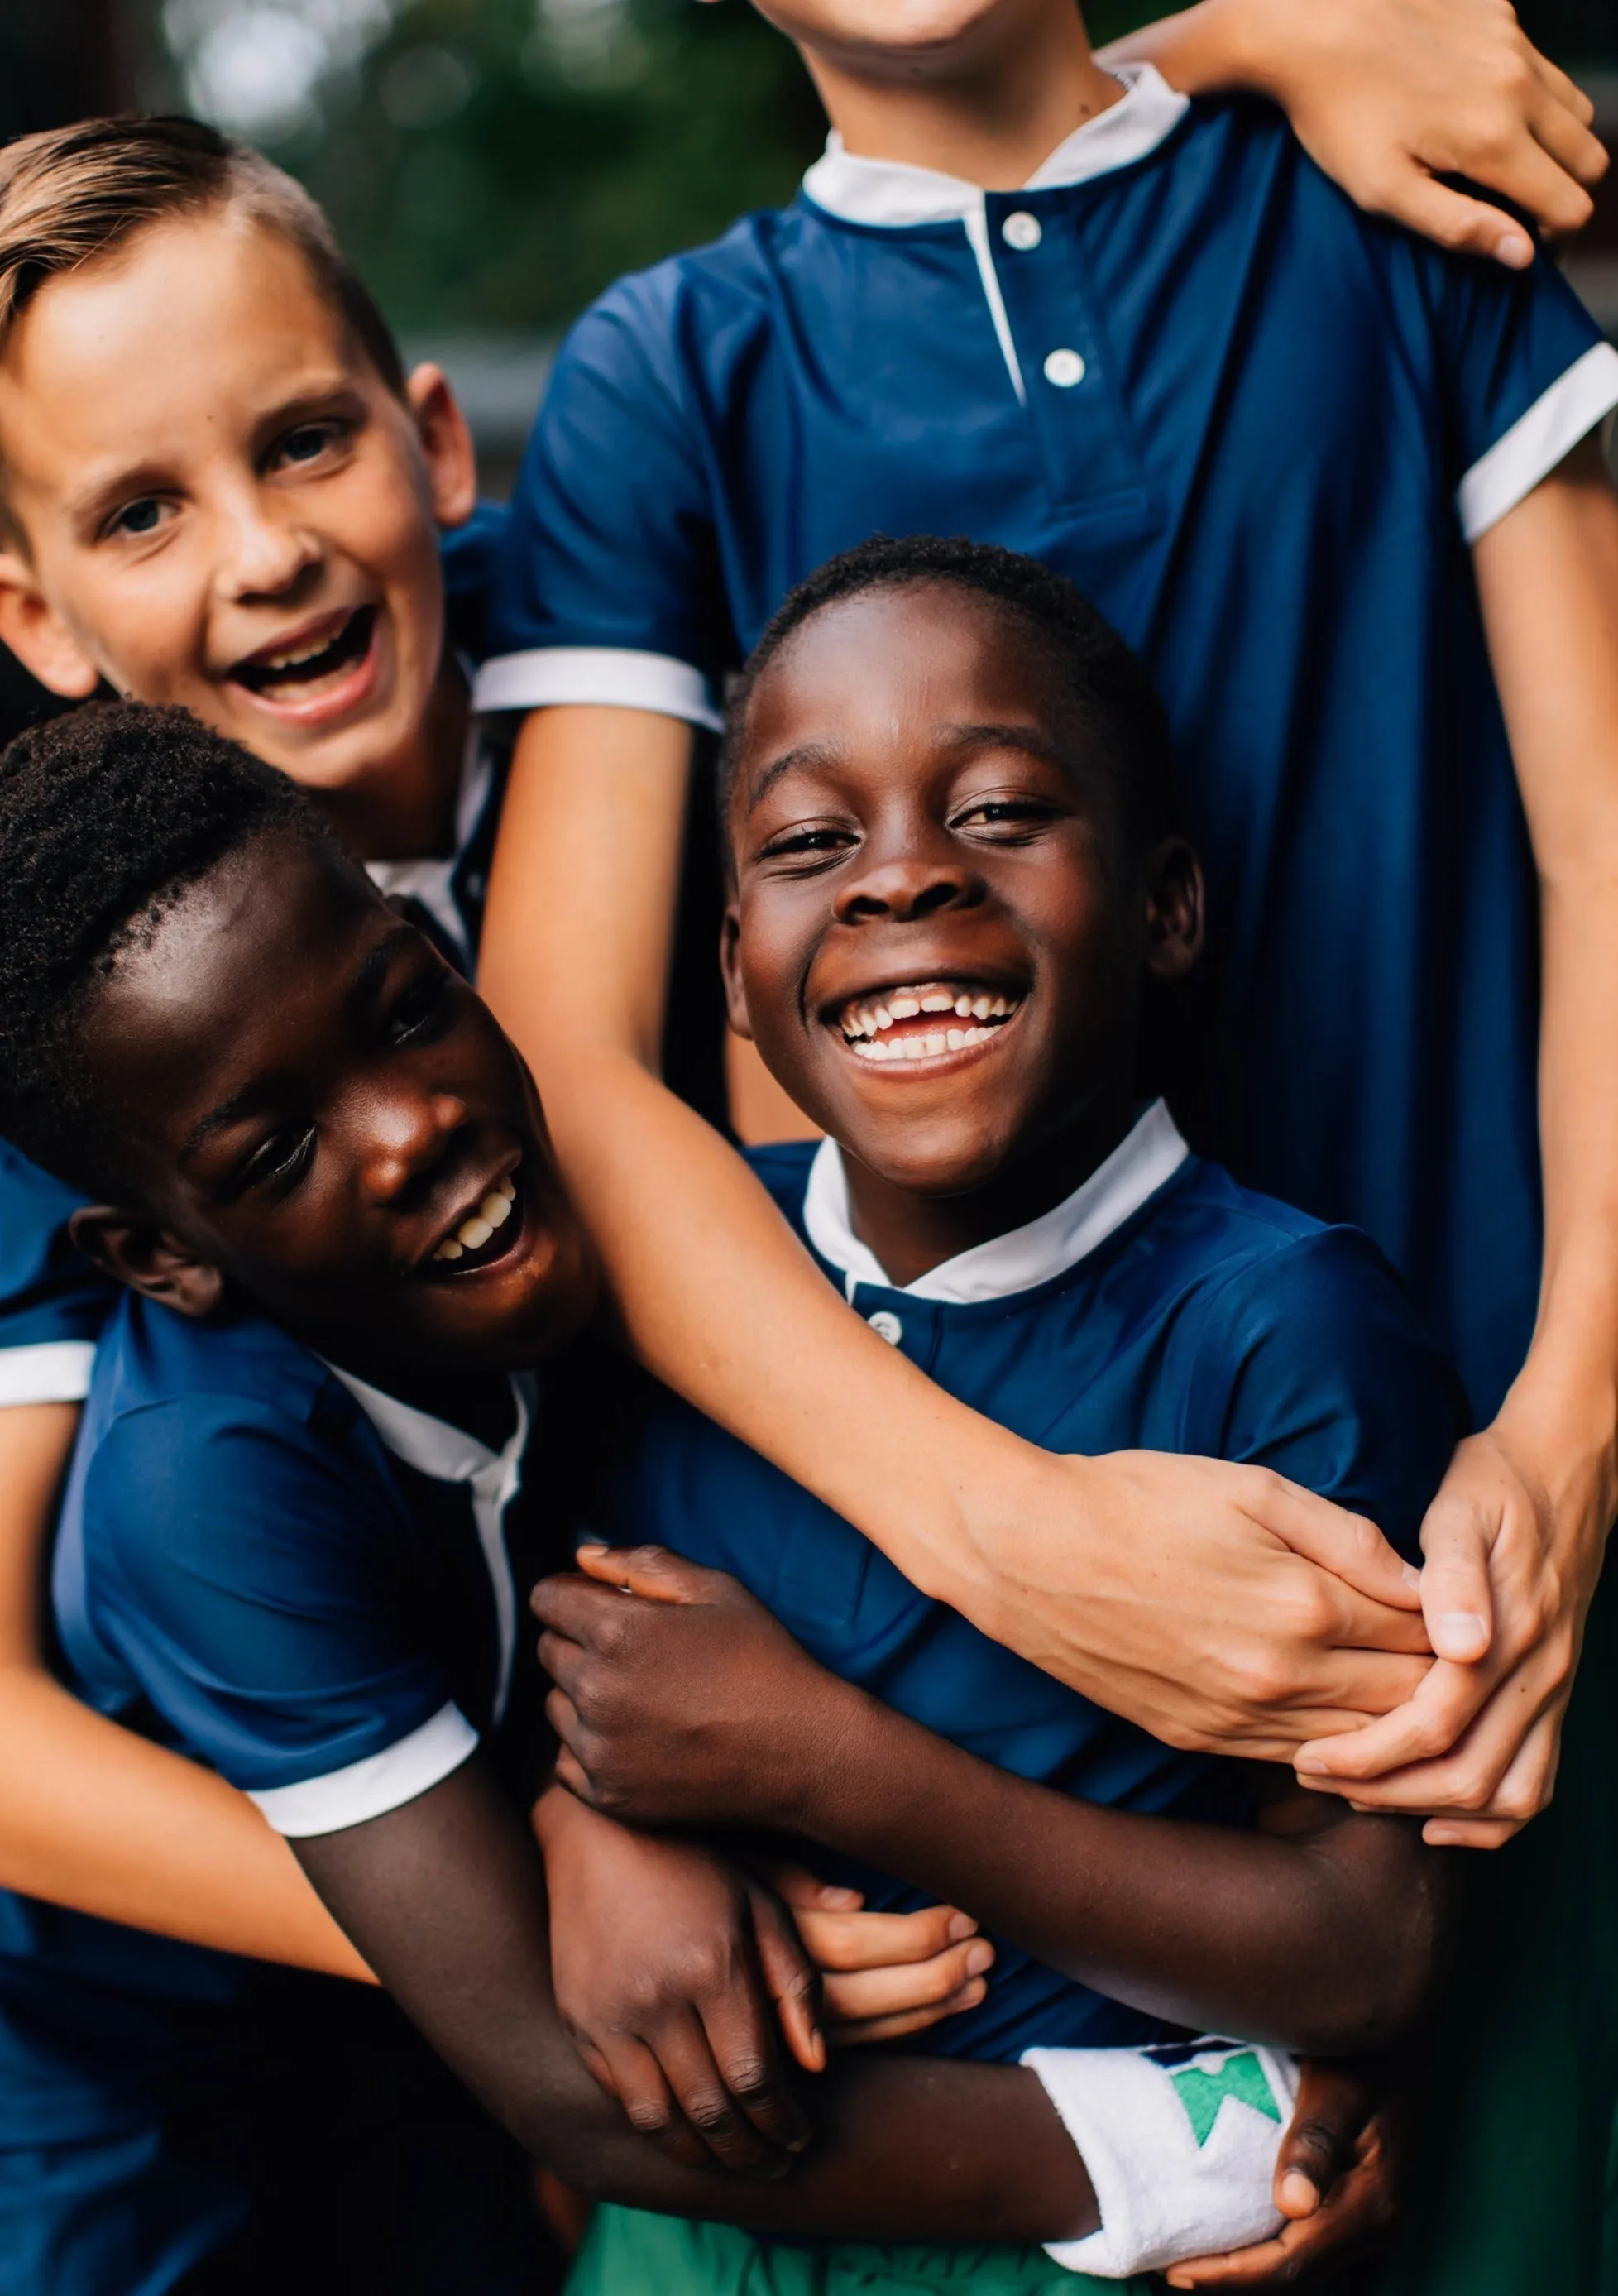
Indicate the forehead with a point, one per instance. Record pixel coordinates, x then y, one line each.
170 345
237 976
899 662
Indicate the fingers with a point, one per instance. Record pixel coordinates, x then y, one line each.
1352 2219
1495 1772
1333 2106
791 1978
1458 1536
1348 1545
1425 1727
921 1990
1452 218
649 1571
804 1891
864 2031
1564 133
726 2081
862 1940
1567 94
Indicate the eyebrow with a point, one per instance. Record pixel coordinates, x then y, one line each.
809 755
87 504
368 977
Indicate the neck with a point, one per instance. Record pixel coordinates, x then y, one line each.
911 1234
477 1402
1005 101
408 813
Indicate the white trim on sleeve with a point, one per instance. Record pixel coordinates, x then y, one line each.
1537 441
50 1371
614 677
375 1784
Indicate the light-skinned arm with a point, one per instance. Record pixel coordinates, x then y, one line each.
1514 1539
1254 1610
94 1817
1389 97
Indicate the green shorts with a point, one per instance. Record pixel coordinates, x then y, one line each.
630 2252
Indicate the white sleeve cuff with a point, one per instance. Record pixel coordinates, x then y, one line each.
51 1371
1537 441
374 1785
614 676
1180 2147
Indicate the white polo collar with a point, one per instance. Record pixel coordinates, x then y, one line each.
891 194
1147 1156
449 1455
432 881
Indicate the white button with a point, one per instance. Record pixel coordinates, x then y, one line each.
888 1326
1021 231
1063 368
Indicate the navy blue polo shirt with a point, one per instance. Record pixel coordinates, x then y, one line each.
1259 429
1159 1308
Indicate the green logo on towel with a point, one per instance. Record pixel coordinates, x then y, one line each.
1203 2093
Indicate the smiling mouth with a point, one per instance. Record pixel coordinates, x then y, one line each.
922 1019
484 1234
293 674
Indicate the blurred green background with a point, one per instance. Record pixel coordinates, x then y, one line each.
491 164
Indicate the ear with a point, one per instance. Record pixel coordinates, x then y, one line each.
730 966
447 445
1174 909
38 635
130 1247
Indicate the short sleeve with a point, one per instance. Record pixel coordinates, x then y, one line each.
252 1577
1525 375
1314 1364
52 1303
606 587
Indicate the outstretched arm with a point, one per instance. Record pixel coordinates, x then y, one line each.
1515 1540
1391 96
94 1817
1253 1613
685 1704
446 1896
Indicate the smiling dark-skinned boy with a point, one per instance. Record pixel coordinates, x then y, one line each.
286 1109
953 888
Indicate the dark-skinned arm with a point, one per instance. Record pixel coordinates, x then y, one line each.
685 1704
446 1899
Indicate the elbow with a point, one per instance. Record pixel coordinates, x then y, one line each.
1378 1990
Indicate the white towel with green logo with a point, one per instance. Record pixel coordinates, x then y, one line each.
1181 2145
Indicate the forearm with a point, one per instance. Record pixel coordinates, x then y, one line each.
92 1817
1323 1942
447 1895
1200 50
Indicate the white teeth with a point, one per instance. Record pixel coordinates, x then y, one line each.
476 1228
981 1007
495 1209
883 1018
450 1249
963 1008
938 1002
919 1048
904 1008
955 1039
508 1189
474 1232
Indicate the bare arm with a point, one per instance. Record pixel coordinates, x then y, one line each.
1389 95
1262 1608
686 1703
446 1896
94 1817
1514 1539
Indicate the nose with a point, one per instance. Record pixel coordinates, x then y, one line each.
407 1136
264 556
907 888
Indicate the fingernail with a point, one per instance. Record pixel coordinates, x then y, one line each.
1460 1634
1412 1576
1300 2195
1511 248
1310 1766
979 1957
961 1925
590 1546
1439 1837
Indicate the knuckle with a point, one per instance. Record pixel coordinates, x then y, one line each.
648 2115
747 2075
710 2111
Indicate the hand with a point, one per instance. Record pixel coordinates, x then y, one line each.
1334 2180
1510 1571
678 1699
1217 1605
671 1970
1389 95
883 1975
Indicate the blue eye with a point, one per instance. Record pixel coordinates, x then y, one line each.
308 442
142 517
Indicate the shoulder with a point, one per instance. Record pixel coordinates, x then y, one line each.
784 1169
1254 1254
657 322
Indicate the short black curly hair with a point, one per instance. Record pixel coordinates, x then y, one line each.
107 815
1108 684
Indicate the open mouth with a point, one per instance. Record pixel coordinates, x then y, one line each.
299 669
486 1232
922 1019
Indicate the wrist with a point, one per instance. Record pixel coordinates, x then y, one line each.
1211 48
